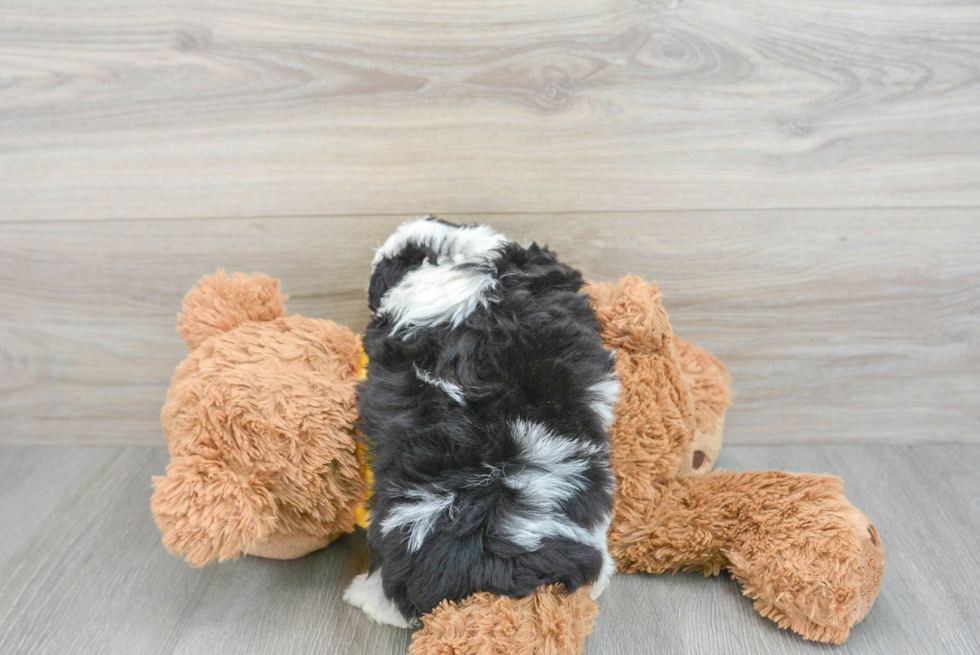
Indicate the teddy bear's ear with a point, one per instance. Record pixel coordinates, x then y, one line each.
220 302
630 314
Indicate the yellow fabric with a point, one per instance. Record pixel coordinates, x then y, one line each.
363 362
362 517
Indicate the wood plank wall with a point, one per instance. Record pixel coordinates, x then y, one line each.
800 178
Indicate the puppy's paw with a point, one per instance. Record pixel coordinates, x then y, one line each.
366 593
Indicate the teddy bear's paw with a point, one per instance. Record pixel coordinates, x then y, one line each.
365 593
290 546
819 575
548 621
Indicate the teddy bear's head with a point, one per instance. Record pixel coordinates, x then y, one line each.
259 421
673 436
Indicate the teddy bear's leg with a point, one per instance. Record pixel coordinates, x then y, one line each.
809 559
319 501
548 622
802 552
208 512
289 546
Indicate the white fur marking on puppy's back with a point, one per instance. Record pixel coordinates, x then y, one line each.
451 389
367 593
556 471
433 295
545 448
420 513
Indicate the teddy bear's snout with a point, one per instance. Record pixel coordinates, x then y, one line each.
870 571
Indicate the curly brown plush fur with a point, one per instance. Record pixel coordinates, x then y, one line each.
809 559
548 622
259 421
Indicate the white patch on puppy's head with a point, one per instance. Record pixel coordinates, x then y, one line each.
444 291
454 244
435 295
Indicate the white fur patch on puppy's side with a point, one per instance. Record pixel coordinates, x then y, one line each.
529 531
556 471
367 593
419 514
435 295
604 396
453 243
608 563
554 476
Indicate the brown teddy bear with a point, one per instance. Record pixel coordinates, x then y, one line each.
260 421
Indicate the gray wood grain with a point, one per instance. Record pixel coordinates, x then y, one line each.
130 109
838 326
85 571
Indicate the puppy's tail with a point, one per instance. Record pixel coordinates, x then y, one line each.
550 620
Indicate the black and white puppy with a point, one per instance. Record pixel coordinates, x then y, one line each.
487 404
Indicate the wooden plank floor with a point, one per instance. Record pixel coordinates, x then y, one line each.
82 569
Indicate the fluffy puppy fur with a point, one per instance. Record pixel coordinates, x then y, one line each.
487 404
